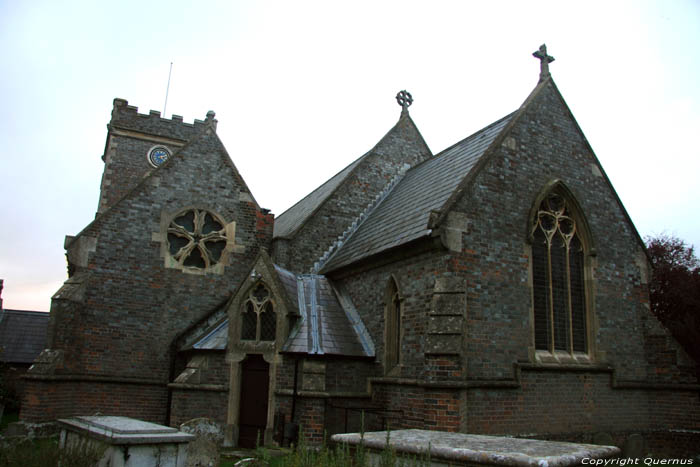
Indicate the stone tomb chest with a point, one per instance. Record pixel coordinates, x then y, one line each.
461 449
125 442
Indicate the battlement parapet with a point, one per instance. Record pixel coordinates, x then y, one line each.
125 116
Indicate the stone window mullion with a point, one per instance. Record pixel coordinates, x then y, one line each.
260 304
559 298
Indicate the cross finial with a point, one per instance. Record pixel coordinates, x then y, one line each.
545 60
405 100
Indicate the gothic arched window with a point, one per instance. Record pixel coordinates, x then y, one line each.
258 317
393 326
559 297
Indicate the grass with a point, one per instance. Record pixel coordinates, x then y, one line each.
45 453
339 455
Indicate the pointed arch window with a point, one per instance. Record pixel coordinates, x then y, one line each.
393 326
258 317
559 298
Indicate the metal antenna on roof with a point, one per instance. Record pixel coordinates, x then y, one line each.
167 89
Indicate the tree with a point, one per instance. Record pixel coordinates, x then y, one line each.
674 289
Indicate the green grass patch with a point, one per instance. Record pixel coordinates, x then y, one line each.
45 453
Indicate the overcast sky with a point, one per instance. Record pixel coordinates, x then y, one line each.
301 89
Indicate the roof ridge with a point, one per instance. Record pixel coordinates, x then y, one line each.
325 183
139 185
513 118
349 170
318 265
207 131
25 311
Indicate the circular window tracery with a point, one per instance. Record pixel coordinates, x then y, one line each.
196 238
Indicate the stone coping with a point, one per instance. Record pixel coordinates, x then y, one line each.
124 430
480 449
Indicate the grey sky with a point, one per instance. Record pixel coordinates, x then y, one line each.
301 89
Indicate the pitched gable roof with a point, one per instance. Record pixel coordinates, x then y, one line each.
293 218
22 335
188 150
434 186
404 214
329 324
290 221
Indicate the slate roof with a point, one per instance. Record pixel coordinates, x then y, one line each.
291 219
22 335
328 322
404 213
326 327
216 339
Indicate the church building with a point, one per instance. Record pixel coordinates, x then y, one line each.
497 287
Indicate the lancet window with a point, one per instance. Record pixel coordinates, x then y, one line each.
393 325
258 317
559 296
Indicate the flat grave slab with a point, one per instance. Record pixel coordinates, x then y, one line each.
126 442
469 450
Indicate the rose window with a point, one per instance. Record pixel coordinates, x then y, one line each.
196 238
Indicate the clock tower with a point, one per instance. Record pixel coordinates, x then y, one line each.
138 144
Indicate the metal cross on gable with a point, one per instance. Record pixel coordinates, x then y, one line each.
545 60
404 99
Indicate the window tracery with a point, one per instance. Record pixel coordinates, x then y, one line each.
258 317
559 298
196 239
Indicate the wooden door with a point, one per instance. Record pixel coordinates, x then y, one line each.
255 378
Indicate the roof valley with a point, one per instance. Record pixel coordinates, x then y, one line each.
318 265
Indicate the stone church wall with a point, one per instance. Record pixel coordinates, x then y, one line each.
402 145
125 154
204 394
468 361
50 399
416 278
494 258
132 306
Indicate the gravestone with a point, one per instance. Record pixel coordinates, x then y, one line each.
125 442
203 451
461 449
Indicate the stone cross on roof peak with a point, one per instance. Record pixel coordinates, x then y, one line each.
545 60
404 99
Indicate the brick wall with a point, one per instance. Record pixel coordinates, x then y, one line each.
125 156
402 145
193 403
488 279
49 400
132 307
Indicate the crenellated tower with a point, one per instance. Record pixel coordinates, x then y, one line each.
137 144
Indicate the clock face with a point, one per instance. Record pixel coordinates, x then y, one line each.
158 155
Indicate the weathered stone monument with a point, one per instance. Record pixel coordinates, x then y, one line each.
461 449
125 442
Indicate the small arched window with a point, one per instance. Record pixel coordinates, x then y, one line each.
559 297
393 326
258 317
